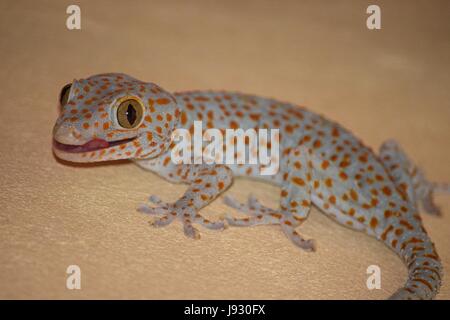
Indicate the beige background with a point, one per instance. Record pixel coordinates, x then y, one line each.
392 83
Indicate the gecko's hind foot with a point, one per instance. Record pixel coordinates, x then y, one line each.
167 212
257 213
260 215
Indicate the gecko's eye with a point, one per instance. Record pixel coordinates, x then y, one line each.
129 113
64 95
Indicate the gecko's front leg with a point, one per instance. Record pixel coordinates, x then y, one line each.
206 182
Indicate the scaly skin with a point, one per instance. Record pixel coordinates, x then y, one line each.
321 163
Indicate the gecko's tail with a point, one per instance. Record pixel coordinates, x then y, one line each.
424 267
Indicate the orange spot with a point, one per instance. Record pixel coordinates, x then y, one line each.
183 118
387 191
373 222
388 213
151 105
406 224
305 203
106 126
332 199
325 165
138 151
335 132
201 98
386 231
166 161
86 125
329 182
344 164
298 181
317 144
343 175
353 195
163 101
234 125
363 158
289 129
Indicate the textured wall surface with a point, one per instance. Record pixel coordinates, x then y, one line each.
391 83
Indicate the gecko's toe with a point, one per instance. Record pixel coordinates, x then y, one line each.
191 232
253 201
233 203
429 206
311 245
143 208
253 207
162 221
155 199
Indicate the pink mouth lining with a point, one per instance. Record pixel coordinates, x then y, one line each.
92 145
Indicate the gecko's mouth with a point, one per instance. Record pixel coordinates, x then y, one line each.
92 145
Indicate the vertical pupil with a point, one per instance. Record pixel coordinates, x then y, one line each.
131 114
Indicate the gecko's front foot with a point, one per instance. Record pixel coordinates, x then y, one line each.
167 212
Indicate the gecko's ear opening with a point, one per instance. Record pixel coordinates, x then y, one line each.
64 94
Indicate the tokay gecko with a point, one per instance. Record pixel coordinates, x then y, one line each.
114 116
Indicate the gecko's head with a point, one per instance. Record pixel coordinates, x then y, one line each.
113 116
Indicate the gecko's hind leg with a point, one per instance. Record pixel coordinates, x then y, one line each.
410 179
294 205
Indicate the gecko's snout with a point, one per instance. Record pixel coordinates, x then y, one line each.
67 135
